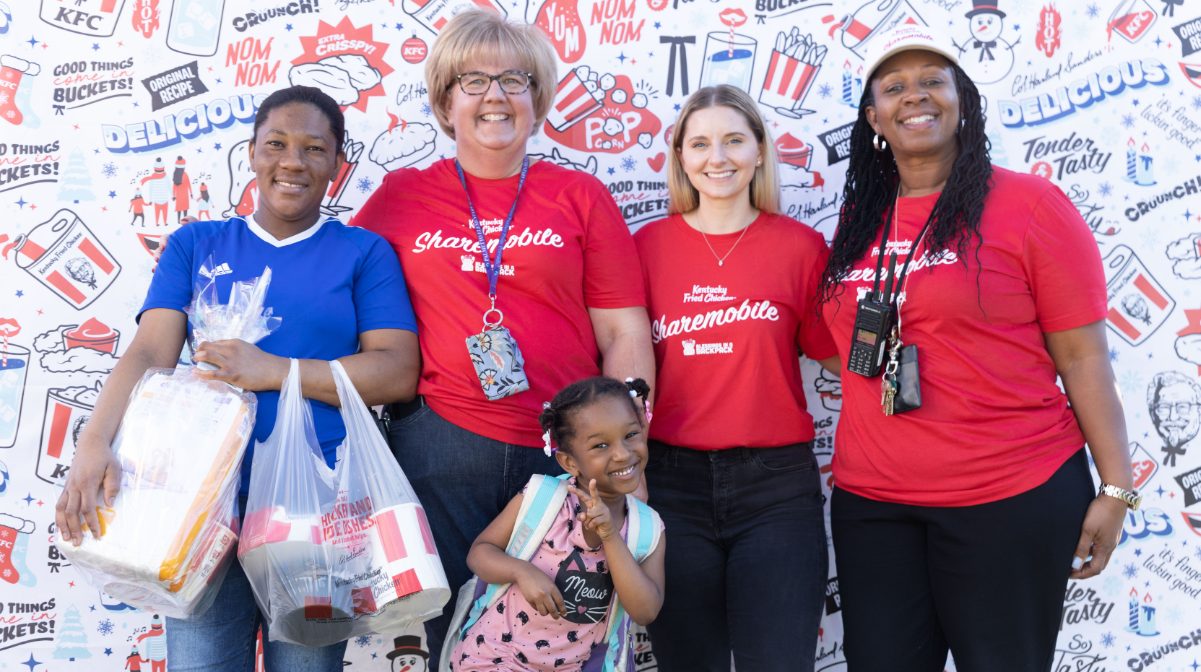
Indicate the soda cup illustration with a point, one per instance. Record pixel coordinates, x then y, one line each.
63 254
14 366
67 411
574 100
1137 303
195 26
729 59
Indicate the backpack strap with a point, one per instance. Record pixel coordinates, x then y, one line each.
540 505
643 533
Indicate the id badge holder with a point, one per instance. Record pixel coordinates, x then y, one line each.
497 359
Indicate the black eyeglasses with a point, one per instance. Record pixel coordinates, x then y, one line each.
512 82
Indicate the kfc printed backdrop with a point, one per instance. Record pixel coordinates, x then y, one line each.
119 117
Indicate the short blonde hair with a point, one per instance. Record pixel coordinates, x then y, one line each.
480 34
765 183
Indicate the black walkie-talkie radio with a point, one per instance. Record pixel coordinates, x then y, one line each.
873 323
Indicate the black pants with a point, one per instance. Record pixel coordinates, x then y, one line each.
985 581
746 562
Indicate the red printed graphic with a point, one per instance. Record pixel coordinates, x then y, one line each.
145 16
63 254
414 50
1130 19
14 549
344 61
1188 341
434 14
1050 27
1143 465
1138 304
560 20
617 123
617 22
12 70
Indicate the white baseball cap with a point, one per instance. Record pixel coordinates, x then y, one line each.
906 37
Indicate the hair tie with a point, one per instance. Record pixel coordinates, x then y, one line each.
546 444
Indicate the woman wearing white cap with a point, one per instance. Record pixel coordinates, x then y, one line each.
959 516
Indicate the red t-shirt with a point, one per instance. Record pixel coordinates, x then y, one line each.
568 250
993 421
728 338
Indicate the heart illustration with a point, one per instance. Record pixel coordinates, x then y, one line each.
656 162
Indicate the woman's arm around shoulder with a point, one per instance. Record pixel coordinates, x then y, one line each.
94 469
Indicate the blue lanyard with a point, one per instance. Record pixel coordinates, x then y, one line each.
492 267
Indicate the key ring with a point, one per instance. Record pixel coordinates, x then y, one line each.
500 317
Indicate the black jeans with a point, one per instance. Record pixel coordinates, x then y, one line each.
746 557
985 581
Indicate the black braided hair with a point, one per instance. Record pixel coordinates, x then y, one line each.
556 416
872 183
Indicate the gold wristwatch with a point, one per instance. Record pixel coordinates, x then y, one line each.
1131 497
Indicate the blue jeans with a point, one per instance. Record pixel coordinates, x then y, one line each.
463 480
746 559
222 639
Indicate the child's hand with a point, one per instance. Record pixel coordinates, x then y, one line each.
595 513
540 591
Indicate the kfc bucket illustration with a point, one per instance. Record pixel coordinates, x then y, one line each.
67 411
434 14
872 20
1137 303
575 98
794 63
63 254
403 547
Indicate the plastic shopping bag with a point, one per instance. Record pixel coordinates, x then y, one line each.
335 553
166 541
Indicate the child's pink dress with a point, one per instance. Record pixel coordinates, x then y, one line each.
511 635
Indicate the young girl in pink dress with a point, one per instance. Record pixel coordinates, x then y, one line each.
556 608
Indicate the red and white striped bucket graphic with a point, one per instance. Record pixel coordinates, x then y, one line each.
65 256
788 80
573 102
1137 303
402 546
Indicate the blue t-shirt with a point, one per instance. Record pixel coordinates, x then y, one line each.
329 283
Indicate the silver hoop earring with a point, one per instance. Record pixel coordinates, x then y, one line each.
879 143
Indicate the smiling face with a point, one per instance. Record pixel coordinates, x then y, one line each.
719 154
608 443
294 156
491 129
915 106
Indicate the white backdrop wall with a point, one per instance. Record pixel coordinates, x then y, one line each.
1101 96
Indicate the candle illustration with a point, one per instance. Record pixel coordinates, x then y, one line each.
1131 160
1141 615
852 84
1146 626
1143 175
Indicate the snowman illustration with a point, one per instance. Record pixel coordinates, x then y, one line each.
984 55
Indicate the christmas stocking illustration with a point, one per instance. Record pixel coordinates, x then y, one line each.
14 548
12 69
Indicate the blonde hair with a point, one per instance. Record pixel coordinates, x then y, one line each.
765 183
477 35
